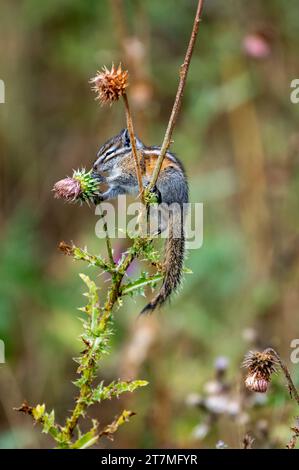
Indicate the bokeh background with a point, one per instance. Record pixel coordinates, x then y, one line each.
238 137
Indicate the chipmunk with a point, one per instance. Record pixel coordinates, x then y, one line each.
115 167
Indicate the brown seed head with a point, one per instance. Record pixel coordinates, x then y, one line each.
247 441
262 362
25 408
110 85
260 365
66 249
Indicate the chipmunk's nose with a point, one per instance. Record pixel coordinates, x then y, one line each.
97 165
97 176
95 173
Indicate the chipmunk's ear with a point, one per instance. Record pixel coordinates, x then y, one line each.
126 138
139 144
127 142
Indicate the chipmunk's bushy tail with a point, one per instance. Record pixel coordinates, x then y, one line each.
173 266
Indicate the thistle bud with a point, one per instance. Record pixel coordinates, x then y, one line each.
68 189
82 187
110 85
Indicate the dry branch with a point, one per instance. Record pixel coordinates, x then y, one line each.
179 95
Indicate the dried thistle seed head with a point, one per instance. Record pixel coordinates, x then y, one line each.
68 189
262 362
257 382
110 85
247 441
66 249
260 365
25 408
83 186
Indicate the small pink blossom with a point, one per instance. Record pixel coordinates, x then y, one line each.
256 46
68 189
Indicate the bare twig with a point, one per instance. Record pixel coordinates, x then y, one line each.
133 143
292 389
179 96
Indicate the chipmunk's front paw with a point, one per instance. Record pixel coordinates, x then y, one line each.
98 177
97 198
154 196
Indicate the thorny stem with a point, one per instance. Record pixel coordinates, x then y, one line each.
112 296
179 96
80 406
83 255
293 391
133 143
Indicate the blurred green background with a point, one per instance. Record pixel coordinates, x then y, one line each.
238 137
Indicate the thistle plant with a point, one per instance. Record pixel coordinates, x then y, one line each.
81 187
110 86
97 331
260 367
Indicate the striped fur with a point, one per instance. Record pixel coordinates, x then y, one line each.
115 161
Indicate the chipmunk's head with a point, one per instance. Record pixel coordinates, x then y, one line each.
113 150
